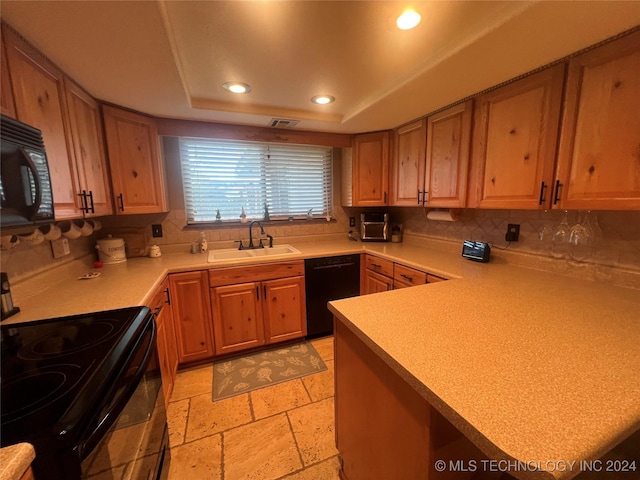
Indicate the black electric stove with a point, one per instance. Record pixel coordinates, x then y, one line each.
61 378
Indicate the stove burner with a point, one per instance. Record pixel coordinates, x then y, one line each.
69 339
26 393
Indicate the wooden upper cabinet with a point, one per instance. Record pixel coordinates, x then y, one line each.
407 170
88 144
599 155
38 89
370 174
447 158
137 170
7 105
514 142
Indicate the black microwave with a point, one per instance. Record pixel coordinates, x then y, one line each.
25 184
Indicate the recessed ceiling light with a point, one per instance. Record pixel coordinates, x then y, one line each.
408 20
323 99
237 87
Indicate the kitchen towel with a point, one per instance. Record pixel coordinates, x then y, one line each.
263 369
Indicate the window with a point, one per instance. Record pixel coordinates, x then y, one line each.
228 176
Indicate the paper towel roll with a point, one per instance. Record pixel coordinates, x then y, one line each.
443 215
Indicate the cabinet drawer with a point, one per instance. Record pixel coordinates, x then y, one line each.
434 278
408 275
380 265
255 273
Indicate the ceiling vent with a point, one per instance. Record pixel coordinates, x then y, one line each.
283 123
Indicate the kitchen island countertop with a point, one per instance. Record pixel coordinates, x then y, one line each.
15 460
529 366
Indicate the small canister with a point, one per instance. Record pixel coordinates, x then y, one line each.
154 251
111 250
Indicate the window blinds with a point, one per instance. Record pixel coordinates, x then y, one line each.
227 176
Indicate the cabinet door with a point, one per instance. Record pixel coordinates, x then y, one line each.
88 144
283 306
370 169
237 317
167 357
407 171
447 162
163 357
7 106
514 142
38 89
137 170
191 315
374 282
599 155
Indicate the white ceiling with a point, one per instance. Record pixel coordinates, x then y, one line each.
170 58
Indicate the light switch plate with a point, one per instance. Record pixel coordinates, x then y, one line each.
60 247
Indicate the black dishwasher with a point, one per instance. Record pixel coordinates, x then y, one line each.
326 279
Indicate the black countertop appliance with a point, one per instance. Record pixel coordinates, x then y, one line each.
76 387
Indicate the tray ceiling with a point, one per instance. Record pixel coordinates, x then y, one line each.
170 58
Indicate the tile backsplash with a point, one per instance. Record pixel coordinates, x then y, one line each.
619 247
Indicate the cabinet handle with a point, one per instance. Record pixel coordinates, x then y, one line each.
264 291
258 292
121 199
425 198
419 201
556 195
83 201
90 195
407 277
375 265
168 293
385 198
389 287
543 187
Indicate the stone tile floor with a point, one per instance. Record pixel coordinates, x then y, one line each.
281 432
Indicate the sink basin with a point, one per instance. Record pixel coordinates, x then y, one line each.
235 254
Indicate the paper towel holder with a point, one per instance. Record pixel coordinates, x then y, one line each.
444 215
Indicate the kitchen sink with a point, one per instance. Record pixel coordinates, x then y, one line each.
235 254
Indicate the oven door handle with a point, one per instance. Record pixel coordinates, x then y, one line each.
37 201
109 418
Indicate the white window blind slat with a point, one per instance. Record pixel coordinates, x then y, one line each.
226 176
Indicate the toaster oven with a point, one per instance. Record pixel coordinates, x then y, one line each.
374 227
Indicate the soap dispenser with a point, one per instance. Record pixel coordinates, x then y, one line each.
203 243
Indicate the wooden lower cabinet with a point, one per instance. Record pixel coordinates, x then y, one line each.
237 317
257 305
380 275
191 315
384 428
284 309
376 282
165 338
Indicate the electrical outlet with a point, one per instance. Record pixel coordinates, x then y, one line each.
156 230
60 247
352 221
513 232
